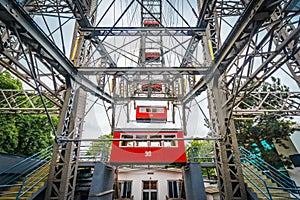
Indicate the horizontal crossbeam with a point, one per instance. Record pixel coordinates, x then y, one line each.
143 31
120 71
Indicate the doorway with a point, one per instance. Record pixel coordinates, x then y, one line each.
149 190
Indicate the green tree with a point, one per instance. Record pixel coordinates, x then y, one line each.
100 148
7 81
34 133
260 134
8 133
201 151
19 133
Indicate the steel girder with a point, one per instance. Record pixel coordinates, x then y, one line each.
263 103
219 57
275 48
65 158
253 17
63 166
288 25
16 19
201 24
228 164
63 172
276 44
26 102
10 62
143 31
49 7
131 71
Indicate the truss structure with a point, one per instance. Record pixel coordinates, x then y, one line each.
27 101
224 48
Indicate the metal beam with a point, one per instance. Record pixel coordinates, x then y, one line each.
143 31
120 71
228 164
201 23
268 67
283 103
123 100
256 12
27 102
11 13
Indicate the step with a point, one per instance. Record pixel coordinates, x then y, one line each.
269 182
28 194
280 193
41 181
35 188
14 188
279 198
42 171
13 198
7 194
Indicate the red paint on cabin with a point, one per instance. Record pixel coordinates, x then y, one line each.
150 114
148 147
151 23
157 87
152 56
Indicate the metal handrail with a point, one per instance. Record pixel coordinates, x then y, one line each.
269 197
267 169
29 182
41 160
200 156
201 159
284 182
26 165
25 160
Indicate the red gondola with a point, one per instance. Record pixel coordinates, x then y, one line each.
148 147
148 23
157 87
152 56
149 114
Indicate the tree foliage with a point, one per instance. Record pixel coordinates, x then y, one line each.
20 133
7 81
260 134
100 148
201 151
8 134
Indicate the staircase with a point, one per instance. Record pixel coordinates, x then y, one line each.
31 181
266 181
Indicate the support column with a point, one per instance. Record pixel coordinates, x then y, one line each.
228 163
102 182
63 171
193 182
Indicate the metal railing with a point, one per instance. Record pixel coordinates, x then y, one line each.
283 183
257 181
33 179
20 178
90 152
200 154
